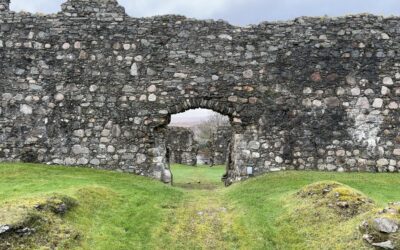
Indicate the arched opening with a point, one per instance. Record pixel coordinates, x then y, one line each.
197 148
245 151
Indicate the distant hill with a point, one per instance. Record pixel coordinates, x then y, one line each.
185 124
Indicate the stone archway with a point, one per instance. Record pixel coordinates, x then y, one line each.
243 147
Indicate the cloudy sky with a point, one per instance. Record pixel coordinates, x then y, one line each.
238 12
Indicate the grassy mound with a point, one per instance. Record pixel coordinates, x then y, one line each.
324 215
343 200
37 224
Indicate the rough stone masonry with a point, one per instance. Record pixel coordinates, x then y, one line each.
92 86
220 145
181 146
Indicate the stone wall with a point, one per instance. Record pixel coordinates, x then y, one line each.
181 146
220 145
91 86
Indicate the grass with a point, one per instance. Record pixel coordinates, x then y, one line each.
200 177
116 211
121 211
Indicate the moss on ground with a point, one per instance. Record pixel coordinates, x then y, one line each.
38 223
343 200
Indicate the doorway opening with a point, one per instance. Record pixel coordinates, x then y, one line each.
198 146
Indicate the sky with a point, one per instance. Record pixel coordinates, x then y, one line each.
236 12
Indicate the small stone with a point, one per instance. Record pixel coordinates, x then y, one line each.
214 77
181 75
317 103
138 58
368 238
355 91
110 149
166 176
151 72
79 133
134 70
382 162
332 101
385 245
362 103
385 36
225 37
396 151
385 90
145 42
59 97
128 88
323 37
254 145
248 74
77 45
385 225
340 91
93 88
232 99
116 46
393 105
351 80
341 153
253 100
152 98
70 161
152 88
387 81
82 161
4 228
26 110
307 91
378 103
200 60
66 46
369 92
140 158
95 162
116 131
279 159
331 167
105 132
316 77
78 149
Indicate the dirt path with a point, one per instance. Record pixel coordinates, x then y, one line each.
203 221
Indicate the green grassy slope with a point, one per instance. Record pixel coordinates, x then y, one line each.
266 199
115 211
120 211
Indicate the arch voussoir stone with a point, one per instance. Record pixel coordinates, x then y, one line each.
92 86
